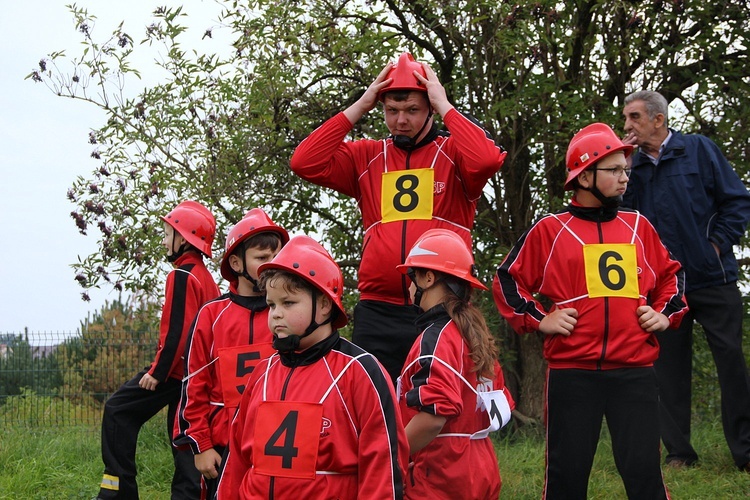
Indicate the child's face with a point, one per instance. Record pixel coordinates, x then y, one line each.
290 311
254 257
172 239
611 176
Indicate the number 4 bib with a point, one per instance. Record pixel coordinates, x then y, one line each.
611 270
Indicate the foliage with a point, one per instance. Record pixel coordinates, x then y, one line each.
220 127
113 345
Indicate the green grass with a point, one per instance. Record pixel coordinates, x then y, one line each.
521 459
65 463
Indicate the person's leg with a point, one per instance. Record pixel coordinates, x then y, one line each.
186 480
386 331
125 412
719 310
633 419
674 369
574 410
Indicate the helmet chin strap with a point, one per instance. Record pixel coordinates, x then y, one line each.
407 143
176 254
245 274
290 343
607 201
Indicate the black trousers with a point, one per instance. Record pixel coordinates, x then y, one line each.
125 412
577 401
387 331
719 310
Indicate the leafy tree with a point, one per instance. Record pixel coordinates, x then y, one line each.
23 367
220 127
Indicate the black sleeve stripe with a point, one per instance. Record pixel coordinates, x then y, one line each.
508 285
176 324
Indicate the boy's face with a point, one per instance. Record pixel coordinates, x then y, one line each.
612 176
172 239
290 311
254 257
406 117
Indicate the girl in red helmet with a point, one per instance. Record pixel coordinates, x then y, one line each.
452 392
613 285
189 232
229 337
318 419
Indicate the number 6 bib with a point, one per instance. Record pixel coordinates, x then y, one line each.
407 195
611 270
278 449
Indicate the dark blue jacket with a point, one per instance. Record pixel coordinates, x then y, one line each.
693 197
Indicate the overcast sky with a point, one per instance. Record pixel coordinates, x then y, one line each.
43 148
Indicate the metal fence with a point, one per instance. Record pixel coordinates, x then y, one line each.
63 379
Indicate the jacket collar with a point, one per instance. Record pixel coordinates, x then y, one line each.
593 214
311 354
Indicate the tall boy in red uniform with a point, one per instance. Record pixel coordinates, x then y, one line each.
416 179
229 337
613 285
319 419
189 232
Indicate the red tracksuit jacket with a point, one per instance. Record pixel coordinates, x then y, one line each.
188 287
461 163
229 321
282 446
454 466
549 259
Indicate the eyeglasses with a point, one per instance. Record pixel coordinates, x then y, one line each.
617 171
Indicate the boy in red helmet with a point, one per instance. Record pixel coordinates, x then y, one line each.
613 285
229 337
452 390
319 418
189 232
416 179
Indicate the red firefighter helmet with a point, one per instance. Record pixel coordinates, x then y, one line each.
195 223
306 258
403 76
588 146
254 222
444 251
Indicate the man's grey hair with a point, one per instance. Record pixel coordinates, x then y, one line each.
654 101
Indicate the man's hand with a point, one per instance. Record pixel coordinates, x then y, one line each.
370 98
559 321
148 382
208 463
435 91
650 320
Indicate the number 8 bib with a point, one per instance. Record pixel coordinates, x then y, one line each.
407 194
611 270
278 449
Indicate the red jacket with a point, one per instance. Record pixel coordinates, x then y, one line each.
188 287
361 447
231 320
462 163
549 259
449 466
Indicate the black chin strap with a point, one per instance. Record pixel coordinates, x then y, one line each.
607 201
291 343
244 272
408 143
176 254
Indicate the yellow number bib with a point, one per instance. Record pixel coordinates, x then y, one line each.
611 270
407 195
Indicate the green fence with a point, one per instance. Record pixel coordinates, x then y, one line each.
63 379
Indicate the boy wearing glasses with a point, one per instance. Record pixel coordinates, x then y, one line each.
612 284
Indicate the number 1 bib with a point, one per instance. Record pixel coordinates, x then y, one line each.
407 195
611 270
